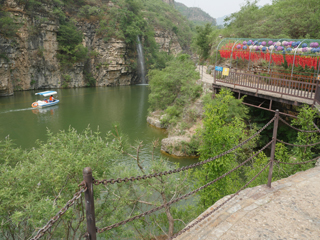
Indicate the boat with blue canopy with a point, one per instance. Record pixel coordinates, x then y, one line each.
51 101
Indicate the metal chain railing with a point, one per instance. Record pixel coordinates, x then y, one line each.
62 211
89 180
182 197
297 145
218 207
119 180
298 162
297 129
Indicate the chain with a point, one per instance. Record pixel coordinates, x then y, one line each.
71 202
295 145
218 207
299 162
180 198
120 180
300 130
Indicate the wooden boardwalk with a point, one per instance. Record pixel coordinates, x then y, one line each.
291 94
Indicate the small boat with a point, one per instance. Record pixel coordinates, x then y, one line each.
45 102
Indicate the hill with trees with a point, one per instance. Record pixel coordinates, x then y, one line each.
195 14
283 19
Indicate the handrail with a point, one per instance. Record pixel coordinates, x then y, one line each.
284 86
88 179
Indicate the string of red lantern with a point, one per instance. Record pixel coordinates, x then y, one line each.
278 59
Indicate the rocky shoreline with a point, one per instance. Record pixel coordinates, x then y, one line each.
177 142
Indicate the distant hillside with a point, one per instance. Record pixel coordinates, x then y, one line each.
220 20
195 14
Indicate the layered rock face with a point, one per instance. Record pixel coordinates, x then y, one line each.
31 58
111 66
168 41
29 61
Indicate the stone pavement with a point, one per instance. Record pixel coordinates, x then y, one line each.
288 210
206 78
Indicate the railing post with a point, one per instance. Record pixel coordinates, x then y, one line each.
202 73
273 147
316 92
89 203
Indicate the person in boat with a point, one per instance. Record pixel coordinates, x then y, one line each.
51 99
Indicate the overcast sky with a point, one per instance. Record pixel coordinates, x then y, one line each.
219 8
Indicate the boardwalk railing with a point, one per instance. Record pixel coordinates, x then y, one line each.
89 181
299 89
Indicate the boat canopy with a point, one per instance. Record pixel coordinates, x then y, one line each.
47 93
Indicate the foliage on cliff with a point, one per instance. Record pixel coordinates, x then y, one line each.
174 88
118 19
8 26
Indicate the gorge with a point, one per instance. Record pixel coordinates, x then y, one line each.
35 57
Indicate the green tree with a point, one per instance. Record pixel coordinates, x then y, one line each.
284 18
174 87
223 128
202 40
37 183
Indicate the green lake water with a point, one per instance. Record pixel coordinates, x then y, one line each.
78 108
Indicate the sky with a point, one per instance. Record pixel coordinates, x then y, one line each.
219 8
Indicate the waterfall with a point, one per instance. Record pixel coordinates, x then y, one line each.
141 62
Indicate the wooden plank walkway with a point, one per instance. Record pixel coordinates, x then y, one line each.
279 95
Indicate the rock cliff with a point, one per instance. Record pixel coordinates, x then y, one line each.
168 41
30 59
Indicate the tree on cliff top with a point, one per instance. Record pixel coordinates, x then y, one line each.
202 40
284 18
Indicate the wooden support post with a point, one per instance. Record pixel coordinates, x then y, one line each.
270 105
89 203
273 147
316 93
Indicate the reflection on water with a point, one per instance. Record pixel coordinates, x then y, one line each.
45 110
78 108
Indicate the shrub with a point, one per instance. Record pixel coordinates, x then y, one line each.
8 27
87 11
69 35
175 84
